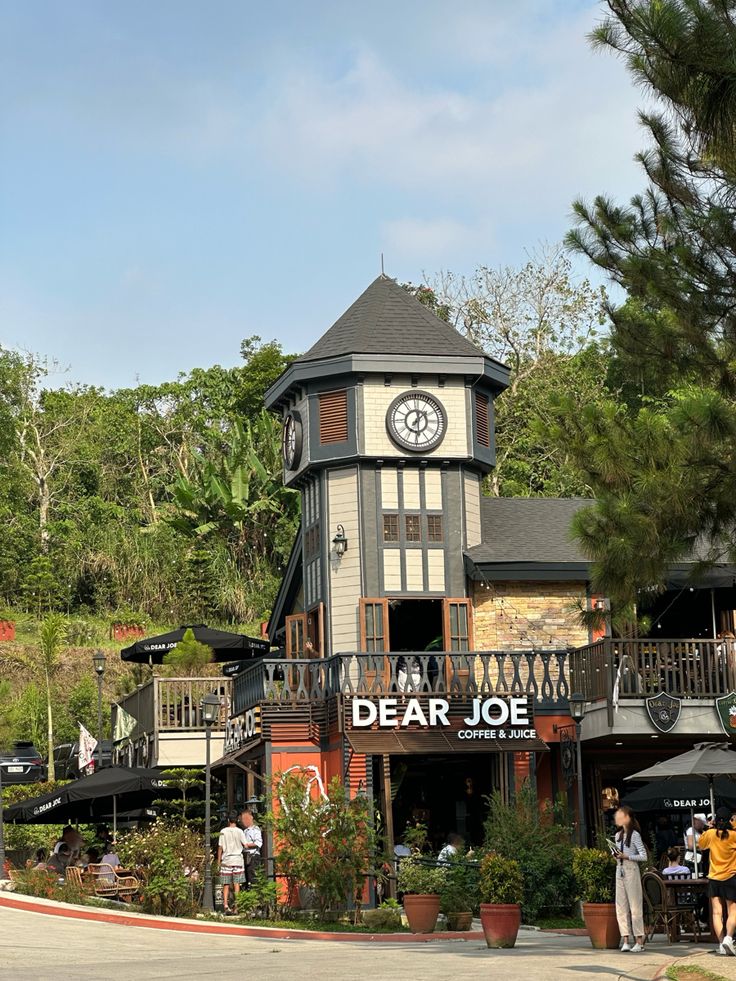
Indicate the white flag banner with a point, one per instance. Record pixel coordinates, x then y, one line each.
125 723
87 747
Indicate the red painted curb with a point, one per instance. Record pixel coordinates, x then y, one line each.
274 933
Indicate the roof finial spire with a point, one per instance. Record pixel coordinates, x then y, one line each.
382 272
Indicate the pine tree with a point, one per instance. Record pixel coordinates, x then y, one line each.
661 459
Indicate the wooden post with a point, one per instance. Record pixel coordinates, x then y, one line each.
388 816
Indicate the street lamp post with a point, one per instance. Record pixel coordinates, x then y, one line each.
98 659
210 713
577 711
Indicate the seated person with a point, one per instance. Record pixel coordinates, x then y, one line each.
675 866
40 863
111 858
60 859
92 857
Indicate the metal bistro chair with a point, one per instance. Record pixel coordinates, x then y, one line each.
658 909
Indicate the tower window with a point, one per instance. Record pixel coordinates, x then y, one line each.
390 527
413 528
482 419
434 528
333 417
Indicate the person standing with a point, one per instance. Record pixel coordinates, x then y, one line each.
692 844
230 847
721 845
629 900
253 845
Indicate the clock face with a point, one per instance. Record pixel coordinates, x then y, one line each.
416 421
292 440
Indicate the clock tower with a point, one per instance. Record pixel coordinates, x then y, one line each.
387 431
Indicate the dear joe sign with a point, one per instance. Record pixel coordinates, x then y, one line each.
414 724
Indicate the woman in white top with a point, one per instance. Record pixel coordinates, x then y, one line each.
629 900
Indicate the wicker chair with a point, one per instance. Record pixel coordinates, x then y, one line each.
658 910
105 882
685 905
73 875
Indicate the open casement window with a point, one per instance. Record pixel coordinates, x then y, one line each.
458 631
315 641
374 639
296 634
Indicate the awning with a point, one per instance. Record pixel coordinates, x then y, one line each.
405 741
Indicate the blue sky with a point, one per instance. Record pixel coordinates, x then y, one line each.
176 176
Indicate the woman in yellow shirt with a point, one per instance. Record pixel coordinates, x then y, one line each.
721 843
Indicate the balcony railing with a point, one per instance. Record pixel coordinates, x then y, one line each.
173 704
629 669
540 675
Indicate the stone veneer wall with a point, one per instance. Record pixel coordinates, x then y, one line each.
525 615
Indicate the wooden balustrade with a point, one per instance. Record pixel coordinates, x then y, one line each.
541 675
625 669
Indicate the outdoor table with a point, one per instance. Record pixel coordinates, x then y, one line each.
694 887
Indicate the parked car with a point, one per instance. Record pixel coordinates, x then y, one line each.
22 764
66 759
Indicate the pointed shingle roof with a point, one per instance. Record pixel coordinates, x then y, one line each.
386 319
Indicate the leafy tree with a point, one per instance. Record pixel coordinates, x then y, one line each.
661 459
44 662
543 323
263 365
189 656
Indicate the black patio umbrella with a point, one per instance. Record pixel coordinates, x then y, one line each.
682 794
225 645
91 798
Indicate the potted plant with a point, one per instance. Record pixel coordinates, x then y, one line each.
595 872
501 892
387 916
421 883
459 893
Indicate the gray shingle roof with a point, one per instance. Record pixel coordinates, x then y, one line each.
528 529
385 319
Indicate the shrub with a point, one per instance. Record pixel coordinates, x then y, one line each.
595 874
38 882
461 887
419 877
324 844
262 897
501 880
169 856
541 842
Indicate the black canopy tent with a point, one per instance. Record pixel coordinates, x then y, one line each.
225 645
92 798
681 794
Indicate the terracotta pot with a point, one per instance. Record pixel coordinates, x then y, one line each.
422 911
500 922
7 630
601 924
459 921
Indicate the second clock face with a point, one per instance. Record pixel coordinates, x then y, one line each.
416 421
292 440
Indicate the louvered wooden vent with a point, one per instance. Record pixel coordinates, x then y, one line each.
333 417
482 420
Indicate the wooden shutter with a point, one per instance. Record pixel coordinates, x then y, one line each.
374 637
333 417
482 419
316 631
458 624
296 632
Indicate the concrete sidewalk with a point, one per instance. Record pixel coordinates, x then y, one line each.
722 967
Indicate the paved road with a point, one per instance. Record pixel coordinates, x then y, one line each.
36 947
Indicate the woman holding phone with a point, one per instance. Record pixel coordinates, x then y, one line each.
629 900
